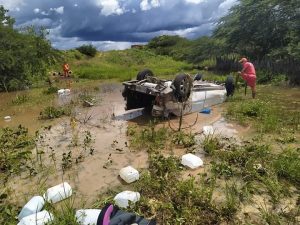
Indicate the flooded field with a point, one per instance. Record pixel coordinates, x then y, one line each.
88 148
97 165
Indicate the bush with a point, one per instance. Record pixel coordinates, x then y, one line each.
88 50
51 112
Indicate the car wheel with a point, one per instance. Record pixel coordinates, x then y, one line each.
229 85
143 74
183 85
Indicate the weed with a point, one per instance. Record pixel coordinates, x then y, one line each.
287 165
183 139
15 151
51 90
66 160
20 99
211 143
222 169
149 137
52 112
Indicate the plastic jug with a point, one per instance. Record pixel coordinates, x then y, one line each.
129 174
58 193
208 130
122 199
34 205
191 161
39 218
87 216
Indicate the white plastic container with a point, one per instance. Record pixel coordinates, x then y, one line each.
63 92
58 193
34 205
191 161
87 216
39 218
208 130
129 174
122 199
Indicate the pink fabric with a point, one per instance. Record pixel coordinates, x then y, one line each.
249 74
106 219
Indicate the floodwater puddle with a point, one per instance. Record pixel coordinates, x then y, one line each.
92 147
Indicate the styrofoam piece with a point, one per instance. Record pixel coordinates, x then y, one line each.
122 199
39 218
191 161
34 205
129 174
58 193
208 130
7 118
87 216
63 91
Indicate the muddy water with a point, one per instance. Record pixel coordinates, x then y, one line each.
97 173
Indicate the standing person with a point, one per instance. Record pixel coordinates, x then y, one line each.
248 74
66 69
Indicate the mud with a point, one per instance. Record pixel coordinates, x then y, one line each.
98 172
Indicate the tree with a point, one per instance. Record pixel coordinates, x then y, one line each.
24 55
88 50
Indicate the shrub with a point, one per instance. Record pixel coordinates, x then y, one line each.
51 112
88 50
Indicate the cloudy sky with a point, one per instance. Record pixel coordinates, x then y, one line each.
116 24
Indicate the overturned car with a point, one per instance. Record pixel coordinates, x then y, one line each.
163 98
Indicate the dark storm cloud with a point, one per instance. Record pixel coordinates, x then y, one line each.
120 21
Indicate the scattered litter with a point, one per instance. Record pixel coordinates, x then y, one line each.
62 92
206 111
122 199
191 161
39 218
129 174
87 216
58 193
34 205
208 130
87 103
7 118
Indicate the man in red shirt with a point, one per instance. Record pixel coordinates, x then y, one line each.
248 74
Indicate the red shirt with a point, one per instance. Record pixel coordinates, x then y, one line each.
249 69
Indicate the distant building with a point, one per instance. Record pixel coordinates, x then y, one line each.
138 46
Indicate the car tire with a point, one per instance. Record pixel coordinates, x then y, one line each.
182 87
143 74
229 85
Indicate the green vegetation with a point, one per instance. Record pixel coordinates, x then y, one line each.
24 55
88 50
52 112
123 65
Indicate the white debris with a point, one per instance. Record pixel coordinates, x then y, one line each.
58 193
191 161
122 199
62 92
34 205
87 216
208 130
7 118
40 218
129 174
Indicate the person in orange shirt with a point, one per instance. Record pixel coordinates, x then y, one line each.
248 74
66 69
